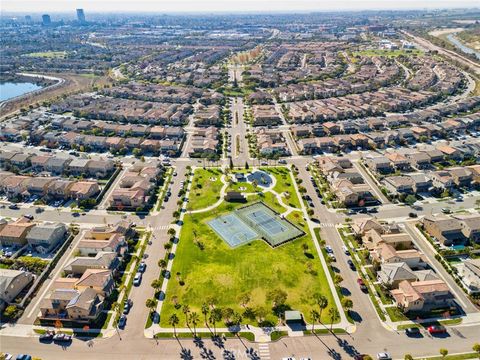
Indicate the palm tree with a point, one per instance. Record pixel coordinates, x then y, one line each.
157 285
215 316
205 311
322 303
315 317
186 311
334 316
347 304
173 320
194 319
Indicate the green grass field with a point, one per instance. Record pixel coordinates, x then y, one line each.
205 267
284 184
48 54
204 191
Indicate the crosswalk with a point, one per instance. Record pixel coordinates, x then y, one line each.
159 228
264 351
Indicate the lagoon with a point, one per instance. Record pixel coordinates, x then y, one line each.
10 90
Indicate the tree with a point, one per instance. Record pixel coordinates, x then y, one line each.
151 304
244 299
171 232
337 279
334 316
173 321
194 319
162 264
205 311
443 352
410 199
278 296
476 348
227 314
321 301
157 284
347 303
186 311
408 357
215 316
315 318
246 165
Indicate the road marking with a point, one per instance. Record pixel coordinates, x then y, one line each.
264 351
163 227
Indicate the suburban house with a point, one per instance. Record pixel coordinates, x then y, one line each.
45 237
82 190
399 184
72 305
470 226
423 296
386 253
12 283
445 229
15 232
469 271
103 260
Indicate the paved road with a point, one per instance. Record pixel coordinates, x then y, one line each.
238 132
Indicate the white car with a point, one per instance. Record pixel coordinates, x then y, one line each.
137 279
345 250
384 356
329 249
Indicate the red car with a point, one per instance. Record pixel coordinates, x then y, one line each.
362 285
437 329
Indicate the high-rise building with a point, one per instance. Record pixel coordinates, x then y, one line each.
80 15
46 20
28 19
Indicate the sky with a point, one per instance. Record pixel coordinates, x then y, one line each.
149 6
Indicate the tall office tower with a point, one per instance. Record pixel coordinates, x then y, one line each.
28 19
80 15
46 20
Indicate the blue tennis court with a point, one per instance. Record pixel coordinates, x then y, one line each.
233 230
268 223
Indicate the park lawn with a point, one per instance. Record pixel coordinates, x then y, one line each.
48 54
205 192
224 274
284 184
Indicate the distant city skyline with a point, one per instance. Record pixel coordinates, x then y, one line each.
190 6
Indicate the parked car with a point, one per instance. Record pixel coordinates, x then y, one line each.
47 336
412 215
142 267
155 317
329 249
137 279
28 216
446 211
282 161
23 357
437 329
331 256
62 337
13 207
351 264
412 332
345 250
122 322
362 285
7 356
126 308
384 356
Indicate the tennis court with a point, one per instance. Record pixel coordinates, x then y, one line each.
233 230
255 221
268 224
